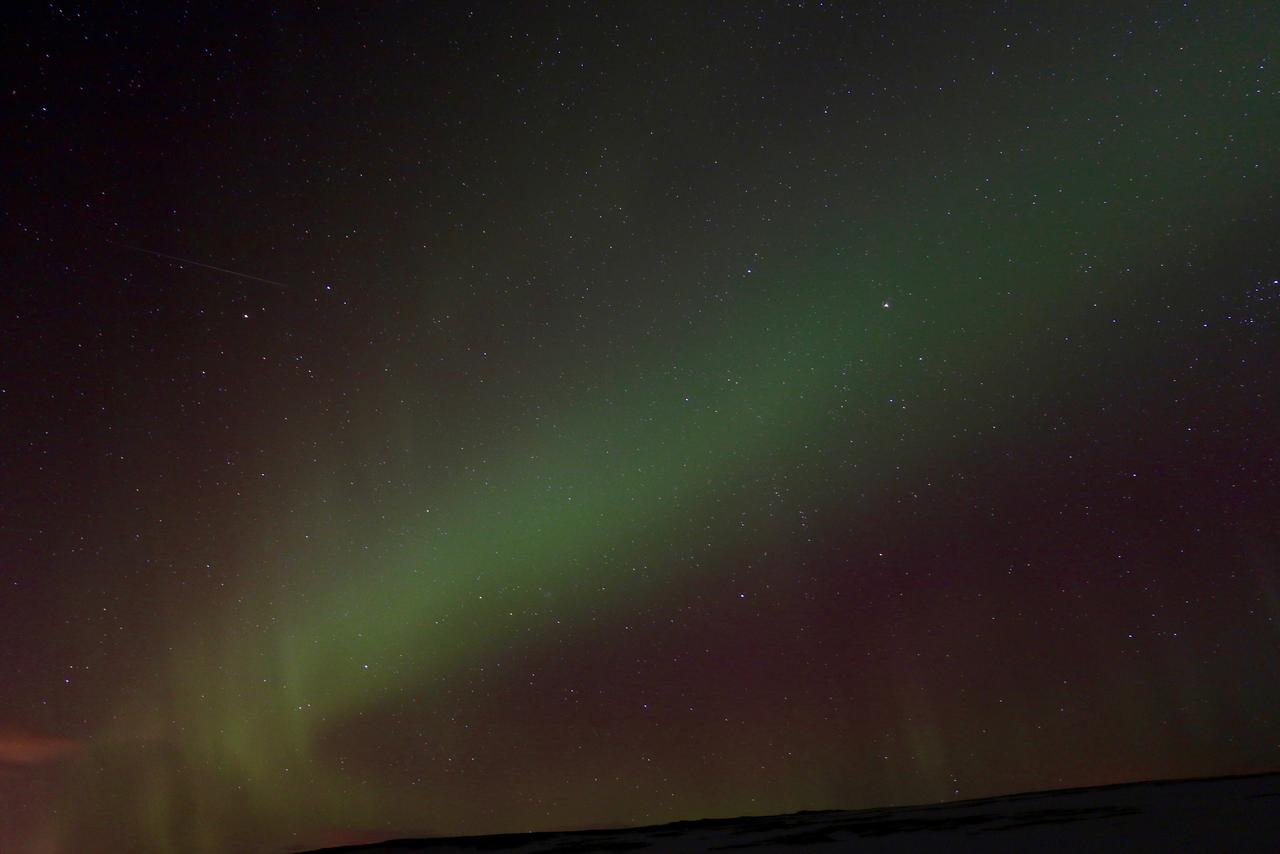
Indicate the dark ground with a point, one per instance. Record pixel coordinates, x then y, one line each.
1220 814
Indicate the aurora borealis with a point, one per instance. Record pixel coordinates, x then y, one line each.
630 413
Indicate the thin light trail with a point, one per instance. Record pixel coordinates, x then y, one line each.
198 264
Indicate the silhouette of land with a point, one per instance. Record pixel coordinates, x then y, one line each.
1217 814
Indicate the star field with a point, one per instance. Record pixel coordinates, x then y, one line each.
447 419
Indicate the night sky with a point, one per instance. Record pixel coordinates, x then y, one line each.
580 414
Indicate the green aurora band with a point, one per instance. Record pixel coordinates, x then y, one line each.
654 470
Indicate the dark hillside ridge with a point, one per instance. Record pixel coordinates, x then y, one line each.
1240 813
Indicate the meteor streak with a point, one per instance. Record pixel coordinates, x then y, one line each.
198 264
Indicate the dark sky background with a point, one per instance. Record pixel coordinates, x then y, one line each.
619 413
